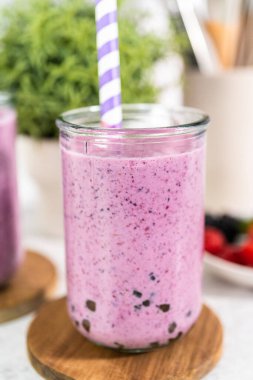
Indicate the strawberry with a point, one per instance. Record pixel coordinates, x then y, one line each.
231 253
215 241
246 253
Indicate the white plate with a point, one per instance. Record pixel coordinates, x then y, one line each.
235 273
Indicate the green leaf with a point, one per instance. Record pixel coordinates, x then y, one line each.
48 60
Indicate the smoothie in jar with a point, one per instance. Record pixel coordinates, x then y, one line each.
134 237
10 253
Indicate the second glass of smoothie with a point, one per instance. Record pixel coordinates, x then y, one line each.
134 220
10 251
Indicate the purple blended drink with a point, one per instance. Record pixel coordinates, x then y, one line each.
133 201
10 253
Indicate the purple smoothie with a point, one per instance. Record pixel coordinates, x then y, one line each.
134 240
10 254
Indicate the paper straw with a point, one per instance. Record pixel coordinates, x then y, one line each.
108 63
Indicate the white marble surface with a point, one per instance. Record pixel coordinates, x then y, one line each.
234 305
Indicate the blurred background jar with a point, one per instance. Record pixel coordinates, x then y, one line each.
215 41
227 96
10 250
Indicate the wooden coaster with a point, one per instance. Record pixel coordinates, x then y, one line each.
30 286
58 351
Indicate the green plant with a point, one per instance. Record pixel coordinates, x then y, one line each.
48 60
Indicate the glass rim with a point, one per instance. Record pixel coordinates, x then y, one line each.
198 123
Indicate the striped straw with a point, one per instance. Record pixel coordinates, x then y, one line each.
108 63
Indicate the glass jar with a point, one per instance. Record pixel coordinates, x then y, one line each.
134 219
10 253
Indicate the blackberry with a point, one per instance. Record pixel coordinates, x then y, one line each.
210 220
230 226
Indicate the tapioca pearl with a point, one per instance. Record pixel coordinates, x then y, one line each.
73 309
77 323
86 325
172 327
146 303
164 307
137 294
188 314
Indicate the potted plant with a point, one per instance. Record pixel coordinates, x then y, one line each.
48 60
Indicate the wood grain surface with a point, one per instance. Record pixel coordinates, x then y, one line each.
58 351
29 288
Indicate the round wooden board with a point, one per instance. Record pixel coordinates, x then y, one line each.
31 285
58 351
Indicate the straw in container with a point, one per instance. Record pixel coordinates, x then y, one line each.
108 63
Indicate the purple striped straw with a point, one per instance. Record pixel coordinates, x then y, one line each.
108 63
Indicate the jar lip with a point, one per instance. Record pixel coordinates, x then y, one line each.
5 98
198 119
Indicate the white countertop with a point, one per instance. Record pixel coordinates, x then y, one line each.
234 305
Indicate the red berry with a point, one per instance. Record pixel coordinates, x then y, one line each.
246 253
231 253
215 241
